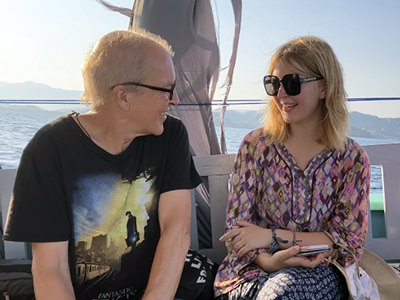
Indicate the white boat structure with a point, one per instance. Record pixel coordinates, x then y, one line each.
218 168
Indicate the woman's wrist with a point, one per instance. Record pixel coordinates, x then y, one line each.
295 241
266 262
268 238
276 241
262 260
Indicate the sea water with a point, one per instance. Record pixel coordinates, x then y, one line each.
18 124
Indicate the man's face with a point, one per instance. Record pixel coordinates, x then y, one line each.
149 107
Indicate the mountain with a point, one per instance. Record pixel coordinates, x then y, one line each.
250 119
33 90
362 125
377 127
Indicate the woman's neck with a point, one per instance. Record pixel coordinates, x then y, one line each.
310 132
303 144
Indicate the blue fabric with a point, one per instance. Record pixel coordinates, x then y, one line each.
320 283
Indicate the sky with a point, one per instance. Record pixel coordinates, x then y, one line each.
45 41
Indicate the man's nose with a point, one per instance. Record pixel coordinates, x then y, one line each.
175 99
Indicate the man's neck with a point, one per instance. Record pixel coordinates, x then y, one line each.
107 129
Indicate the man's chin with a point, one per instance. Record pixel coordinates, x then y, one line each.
159 131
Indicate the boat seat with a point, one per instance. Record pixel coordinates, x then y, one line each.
15 267
386 246
217 169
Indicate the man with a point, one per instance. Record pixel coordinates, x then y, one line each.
132 233
81 173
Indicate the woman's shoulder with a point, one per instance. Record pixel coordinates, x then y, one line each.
353 146
255 142
255 136
354 151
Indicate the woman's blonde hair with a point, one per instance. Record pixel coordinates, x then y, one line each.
117 57
315 57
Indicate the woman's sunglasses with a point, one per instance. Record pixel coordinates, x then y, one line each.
291 83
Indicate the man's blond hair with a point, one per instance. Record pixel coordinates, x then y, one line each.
117 57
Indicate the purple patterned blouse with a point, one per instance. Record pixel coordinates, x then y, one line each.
267 188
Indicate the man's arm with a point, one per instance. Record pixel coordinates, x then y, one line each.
50 270
174 216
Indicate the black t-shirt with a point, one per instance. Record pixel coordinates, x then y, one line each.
69 189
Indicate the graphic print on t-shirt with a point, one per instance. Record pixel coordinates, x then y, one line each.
110 215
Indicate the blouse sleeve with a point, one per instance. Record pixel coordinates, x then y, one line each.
350 223
242 201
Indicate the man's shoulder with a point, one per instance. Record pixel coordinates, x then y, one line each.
52 133
174 127
173 122
56 125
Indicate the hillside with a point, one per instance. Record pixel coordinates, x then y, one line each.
361 125
377 127
33 90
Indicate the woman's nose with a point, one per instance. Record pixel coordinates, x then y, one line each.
281 92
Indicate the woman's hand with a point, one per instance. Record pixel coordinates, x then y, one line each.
247 237
287 258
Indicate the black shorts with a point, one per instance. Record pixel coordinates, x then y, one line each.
197 280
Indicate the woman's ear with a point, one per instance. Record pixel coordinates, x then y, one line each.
322 92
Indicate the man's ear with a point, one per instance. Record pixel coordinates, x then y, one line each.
120 97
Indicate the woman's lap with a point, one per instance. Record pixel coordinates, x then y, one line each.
293 283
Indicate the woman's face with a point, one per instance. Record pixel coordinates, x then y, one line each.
304 108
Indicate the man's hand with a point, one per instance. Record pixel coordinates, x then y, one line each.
247 237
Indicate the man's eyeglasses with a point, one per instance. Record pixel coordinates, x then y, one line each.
156 88
291 83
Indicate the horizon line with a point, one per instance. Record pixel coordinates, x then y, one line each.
219 102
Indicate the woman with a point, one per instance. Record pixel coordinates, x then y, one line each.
298 181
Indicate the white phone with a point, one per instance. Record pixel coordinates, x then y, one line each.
312 250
